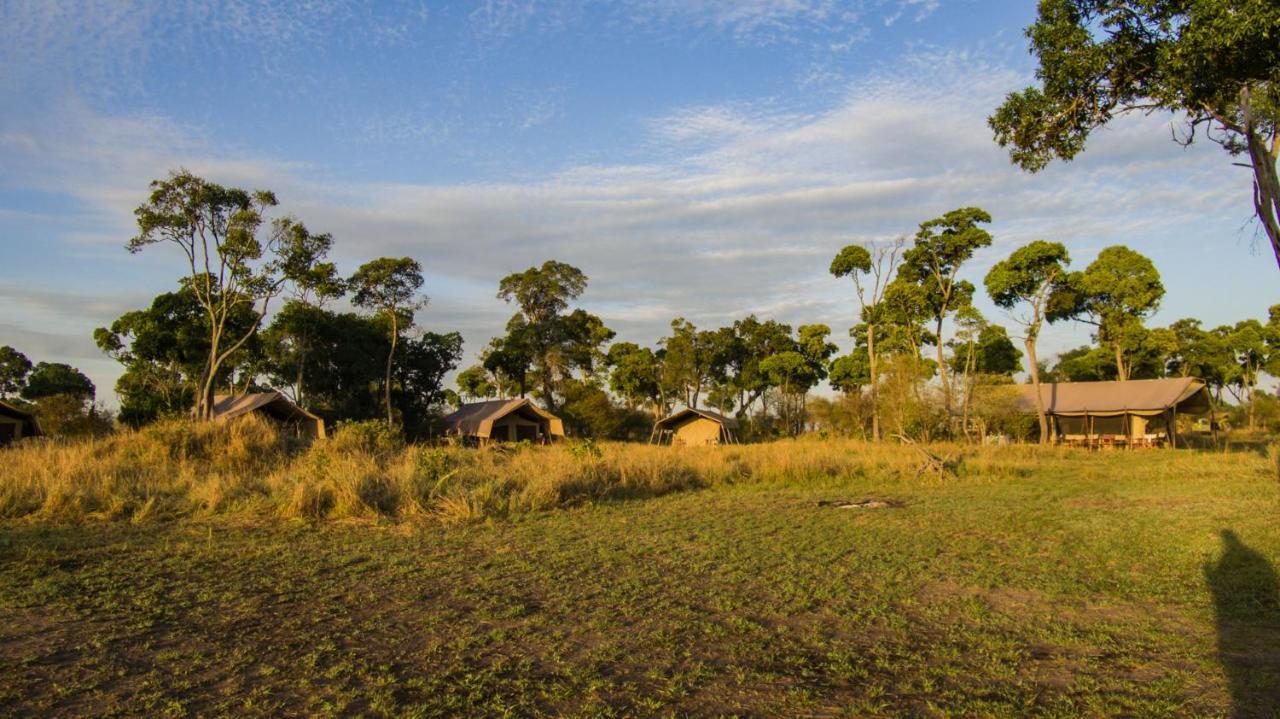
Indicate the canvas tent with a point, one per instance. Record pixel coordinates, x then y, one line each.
504 420
17 423
1133 413
269 404
694 427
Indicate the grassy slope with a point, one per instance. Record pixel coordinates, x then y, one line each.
1078 588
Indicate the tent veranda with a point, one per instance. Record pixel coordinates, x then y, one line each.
1140 412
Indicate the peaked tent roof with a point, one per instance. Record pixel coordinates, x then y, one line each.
1139 396
680 416
226 406
13 412
477 418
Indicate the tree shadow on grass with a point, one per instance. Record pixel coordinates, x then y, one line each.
1246 596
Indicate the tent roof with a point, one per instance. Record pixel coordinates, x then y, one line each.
12 411
688 412
1139 396
477 418
226 406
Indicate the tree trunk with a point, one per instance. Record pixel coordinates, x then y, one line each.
1122 372
1266 183
942 372
1030 344
386 381
875 397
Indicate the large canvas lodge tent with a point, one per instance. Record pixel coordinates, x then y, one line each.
504 420
694 427
16 424
1133 413
272 405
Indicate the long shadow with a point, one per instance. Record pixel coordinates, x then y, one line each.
1246 597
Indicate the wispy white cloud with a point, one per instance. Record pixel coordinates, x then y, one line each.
738 210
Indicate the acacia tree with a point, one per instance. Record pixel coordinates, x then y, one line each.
942 246
1030 276
542 294
216 228
876 264
1216 64
1115 293
389 286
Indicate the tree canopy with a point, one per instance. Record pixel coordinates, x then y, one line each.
1214 63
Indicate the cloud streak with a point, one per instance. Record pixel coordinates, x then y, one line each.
738 209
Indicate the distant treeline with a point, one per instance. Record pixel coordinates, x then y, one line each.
255 311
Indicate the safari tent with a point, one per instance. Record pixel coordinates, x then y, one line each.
694 427
17 423
272 405
504 420
1133 413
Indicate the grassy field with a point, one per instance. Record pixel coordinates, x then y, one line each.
1046 583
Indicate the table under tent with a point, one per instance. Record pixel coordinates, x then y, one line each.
1134 413
694 427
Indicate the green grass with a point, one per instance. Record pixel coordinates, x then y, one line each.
1076 587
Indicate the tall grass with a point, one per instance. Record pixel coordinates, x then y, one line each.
247 468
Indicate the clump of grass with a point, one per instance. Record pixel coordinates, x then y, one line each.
248 468
1273 459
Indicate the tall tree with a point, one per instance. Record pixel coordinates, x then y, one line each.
216 228
315 282
1116 293
1214 63
473 382
389 286
542 294
1030 276
942 246
871 270
693 360
14 368
1250 344
635 375
751 342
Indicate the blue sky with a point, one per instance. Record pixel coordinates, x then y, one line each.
695 158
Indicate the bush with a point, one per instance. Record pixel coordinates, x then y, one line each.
372 436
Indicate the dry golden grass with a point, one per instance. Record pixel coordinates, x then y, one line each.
247 468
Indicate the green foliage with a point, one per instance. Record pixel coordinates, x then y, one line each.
635 374
165 349
473 382
542 339
848 373
1116 293
1030 274
387 284
1215 63
231 270
55 378
371 436
14 368
993 353
850 260
586 450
